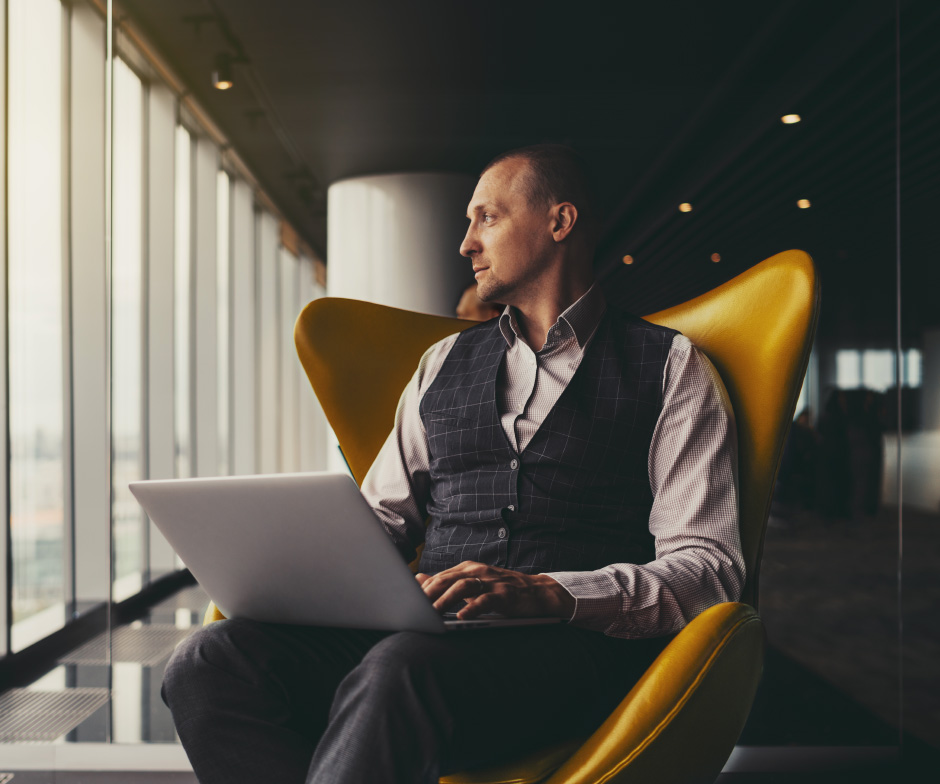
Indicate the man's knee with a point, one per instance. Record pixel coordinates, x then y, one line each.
219 646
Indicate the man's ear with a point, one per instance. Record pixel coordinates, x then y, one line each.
564 217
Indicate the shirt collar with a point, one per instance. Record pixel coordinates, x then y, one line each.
580 318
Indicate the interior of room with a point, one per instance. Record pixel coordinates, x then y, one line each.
183 177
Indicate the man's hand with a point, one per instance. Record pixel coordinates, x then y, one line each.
489 589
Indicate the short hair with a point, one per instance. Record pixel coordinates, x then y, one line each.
557 173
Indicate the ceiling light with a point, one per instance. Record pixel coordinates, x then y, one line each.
716 257
803 204
628 259
790 119
223 77
685 207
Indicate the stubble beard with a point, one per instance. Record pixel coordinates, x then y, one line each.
492 289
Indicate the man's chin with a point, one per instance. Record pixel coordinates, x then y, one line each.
489 290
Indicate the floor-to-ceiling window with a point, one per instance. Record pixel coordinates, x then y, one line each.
223 316
182 303
37 132
127 323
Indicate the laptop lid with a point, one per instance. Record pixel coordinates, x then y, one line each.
289 548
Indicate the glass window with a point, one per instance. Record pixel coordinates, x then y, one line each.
182 302
912 367
36 248
223 331
878 370
848 369
127 331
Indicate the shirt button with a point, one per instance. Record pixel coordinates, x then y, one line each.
514 464
501 533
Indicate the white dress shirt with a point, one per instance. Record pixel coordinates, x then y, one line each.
692 472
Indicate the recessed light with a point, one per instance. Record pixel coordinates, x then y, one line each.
685 207
222 76
716 257
628 259
803 204
790 119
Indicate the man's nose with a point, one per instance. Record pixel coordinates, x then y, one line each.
469 246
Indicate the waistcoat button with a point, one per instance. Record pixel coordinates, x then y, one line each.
501 533
514 464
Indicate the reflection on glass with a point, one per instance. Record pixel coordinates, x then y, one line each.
35 312
222 313
181 305
127 260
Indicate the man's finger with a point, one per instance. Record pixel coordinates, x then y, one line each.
464 588
478 605
438 583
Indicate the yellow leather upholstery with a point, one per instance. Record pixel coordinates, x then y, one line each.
757 329
680 722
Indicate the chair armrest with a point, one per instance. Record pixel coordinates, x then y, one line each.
681 720
212 615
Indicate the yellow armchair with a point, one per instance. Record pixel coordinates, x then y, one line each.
681 720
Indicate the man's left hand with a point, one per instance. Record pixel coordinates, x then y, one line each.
489 589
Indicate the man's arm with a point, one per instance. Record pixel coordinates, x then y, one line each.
692 470
693 476
397 486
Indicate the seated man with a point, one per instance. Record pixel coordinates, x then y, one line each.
575 461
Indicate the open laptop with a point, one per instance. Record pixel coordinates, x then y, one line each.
295 548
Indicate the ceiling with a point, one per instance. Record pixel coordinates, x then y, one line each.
670 101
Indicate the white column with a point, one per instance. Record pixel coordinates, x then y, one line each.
160 248
394 239
244 362
89 306
206 303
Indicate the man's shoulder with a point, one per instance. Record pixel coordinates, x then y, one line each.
625 321
435 356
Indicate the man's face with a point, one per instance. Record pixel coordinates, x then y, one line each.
508 239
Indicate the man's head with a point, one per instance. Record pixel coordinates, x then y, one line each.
532 217
472 308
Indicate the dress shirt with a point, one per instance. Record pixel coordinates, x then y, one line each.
692 472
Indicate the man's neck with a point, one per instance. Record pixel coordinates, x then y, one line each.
537 316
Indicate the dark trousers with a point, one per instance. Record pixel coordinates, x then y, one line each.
263 702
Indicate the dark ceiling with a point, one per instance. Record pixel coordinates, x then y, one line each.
670 101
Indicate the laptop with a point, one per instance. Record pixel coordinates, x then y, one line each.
295 548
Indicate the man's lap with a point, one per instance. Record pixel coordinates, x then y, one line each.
506 690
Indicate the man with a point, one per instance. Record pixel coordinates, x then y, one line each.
574 461
472 308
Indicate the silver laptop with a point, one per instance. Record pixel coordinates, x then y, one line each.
295 548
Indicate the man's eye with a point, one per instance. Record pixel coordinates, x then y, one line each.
487 218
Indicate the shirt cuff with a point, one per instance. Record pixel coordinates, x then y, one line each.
598 598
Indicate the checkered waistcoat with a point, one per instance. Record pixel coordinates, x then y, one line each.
578 496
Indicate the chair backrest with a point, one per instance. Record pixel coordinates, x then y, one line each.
757 329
